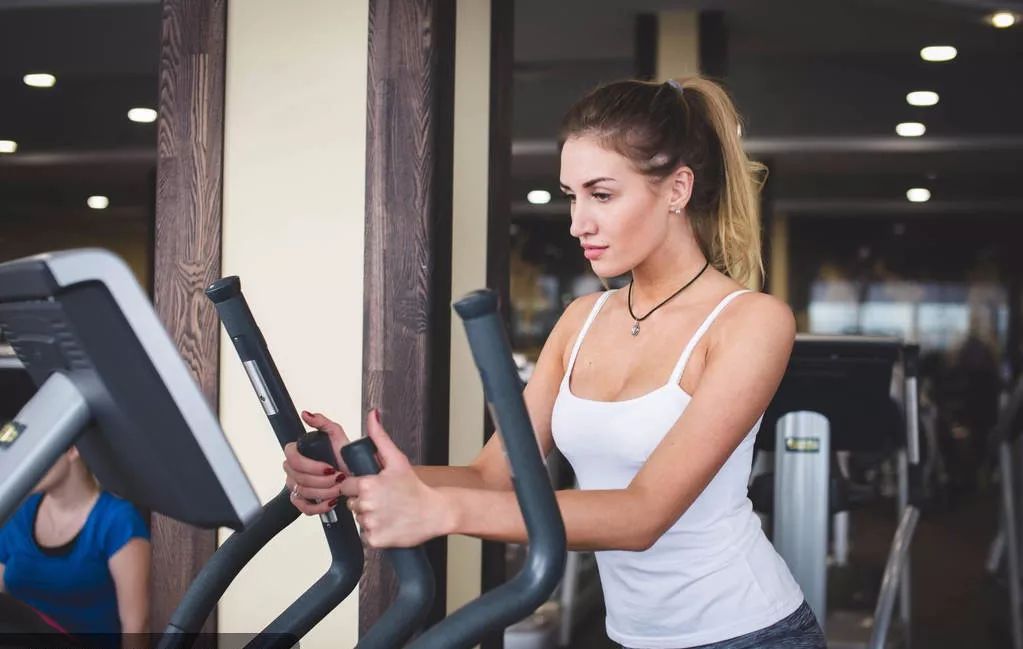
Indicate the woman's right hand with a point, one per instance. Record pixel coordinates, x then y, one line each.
315 486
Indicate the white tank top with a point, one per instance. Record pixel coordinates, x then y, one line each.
713 575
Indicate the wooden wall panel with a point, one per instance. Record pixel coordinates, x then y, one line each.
187 244
407 283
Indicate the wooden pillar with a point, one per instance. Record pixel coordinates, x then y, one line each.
187 245
407 283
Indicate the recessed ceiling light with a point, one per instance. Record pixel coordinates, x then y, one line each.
922 98
918 195
8 146
539 197
39 80
98 202
910 129
938 53
142 115
1003 19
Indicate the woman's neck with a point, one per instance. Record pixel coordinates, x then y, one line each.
76 491
677 261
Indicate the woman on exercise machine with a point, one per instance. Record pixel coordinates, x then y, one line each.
80 556
653 393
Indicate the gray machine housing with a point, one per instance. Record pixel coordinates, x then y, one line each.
111 381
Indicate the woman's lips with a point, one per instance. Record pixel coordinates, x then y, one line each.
593 252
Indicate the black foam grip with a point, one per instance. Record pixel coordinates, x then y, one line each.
224 288
408 611
316 445
477 304
360 456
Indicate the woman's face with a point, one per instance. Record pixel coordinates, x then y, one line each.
618 214
58 472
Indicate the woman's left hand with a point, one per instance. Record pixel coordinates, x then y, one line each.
394 508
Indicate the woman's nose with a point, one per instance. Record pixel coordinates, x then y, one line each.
582 224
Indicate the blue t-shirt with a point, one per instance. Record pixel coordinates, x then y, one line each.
72 584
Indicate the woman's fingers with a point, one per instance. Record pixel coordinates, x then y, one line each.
338 436
312 481
314 469
300 499
328 490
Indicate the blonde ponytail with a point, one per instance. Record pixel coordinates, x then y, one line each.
733 242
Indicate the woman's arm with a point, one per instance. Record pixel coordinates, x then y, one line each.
746 358
129 567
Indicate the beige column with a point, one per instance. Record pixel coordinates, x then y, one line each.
678 44
468 264
778 273
294 186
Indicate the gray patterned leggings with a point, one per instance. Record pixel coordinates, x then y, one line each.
797 631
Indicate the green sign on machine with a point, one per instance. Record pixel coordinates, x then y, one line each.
803 445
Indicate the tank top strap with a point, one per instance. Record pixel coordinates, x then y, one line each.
680 367
586 327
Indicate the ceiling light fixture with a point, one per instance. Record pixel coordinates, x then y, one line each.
98 202
922 98
8 146
938 53
918 195
910 129
39 80
1003 19
142 115
539 197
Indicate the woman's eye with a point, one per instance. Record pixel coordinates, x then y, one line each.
603 197
570 197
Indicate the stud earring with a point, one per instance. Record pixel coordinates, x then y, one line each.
676 210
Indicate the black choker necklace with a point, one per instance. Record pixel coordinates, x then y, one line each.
635 326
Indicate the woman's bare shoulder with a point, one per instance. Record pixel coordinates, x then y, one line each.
572 319
760 315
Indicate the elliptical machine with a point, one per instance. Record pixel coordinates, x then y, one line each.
1006 549
836 396
111 382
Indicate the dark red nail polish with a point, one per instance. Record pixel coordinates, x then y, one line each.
340 477
333 502
329 471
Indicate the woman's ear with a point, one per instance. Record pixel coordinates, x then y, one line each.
681 187
72 453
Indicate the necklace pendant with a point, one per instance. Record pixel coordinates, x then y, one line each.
635 329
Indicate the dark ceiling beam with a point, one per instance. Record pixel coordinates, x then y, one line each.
53 4
842 144
986 5
74 214
860 207
84 158
884 144
560 69
830 207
